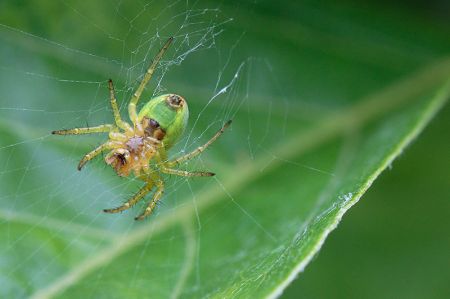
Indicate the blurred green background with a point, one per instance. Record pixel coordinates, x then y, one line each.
301 62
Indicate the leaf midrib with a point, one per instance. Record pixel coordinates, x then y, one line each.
330 128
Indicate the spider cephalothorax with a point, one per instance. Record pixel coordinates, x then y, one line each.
140 148
134 150
135 147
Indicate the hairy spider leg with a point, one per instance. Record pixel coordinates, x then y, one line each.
197 151
185 173
132 201
119 122
161 161
152 204
147 76
78 131
92 154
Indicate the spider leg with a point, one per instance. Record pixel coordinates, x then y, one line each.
91 155
152 204
78 131
119 122
132 201
185 173
199 150
147 76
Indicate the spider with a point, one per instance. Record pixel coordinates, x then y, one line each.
141 148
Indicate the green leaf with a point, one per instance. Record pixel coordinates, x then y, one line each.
390 244
322 100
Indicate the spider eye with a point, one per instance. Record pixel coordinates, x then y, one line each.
175 101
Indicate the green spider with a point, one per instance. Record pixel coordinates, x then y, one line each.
141 148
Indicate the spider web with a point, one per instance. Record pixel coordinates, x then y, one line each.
55 76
